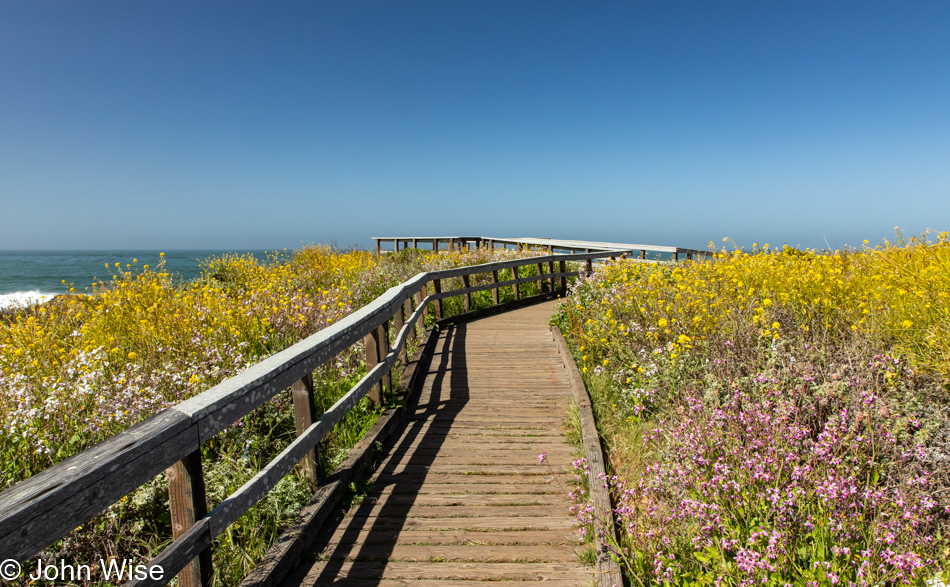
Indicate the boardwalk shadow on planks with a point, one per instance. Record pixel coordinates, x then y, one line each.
426 423
460 499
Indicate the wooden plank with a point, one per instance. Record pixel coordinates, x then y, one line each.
509 453
469 488
474 500
481 523
347 582
488 431
437 468
475 461
442 553
447 571
370 535
435 439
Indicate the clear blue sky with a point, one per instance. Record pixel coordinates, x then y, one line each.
262 125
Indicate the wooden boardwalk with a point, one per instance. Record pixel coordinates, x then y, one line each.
461 498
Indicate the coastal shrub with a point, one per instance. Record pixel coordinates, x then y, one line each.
774 417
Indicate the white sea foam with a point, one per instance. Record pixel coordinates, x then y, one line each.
20 299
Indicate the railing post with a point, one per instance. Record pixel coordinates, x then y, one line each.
383 338
371 342
398 322
588 267
187 502
421 322
643 253
676 255
551 271
540 281
377 246
467 297
437 286
407 312
305 414
563 269
494 291
514 275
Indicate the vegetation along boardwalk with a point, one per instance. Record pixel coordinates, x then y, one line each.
461 495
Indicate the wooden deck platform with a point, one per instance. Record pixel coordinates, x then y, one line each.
461 498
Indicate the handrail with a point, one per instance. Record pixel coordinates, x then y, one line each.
549 243
42 509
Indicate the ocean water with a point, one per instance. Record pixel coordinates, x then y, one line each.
32 276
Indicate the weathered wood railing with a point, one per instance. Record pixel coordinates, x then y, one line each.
549 244
44 508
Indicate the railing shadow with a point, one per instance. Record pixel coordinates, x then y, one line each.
427 420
